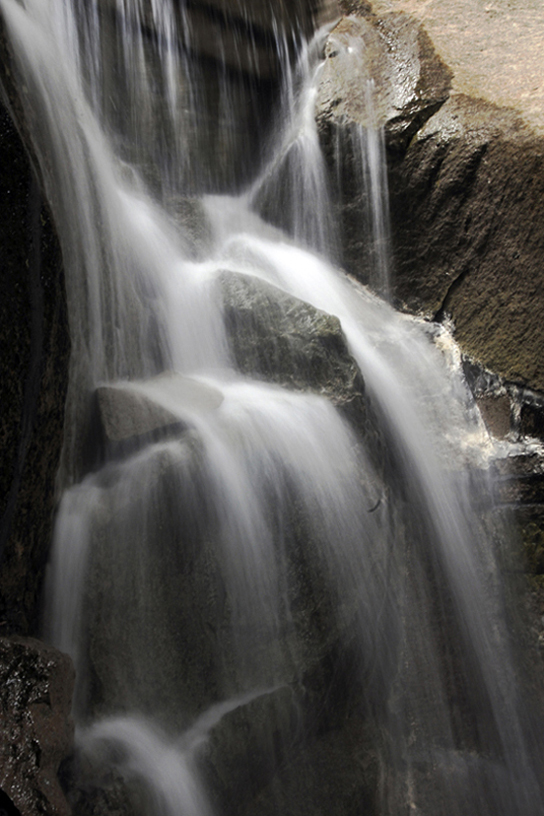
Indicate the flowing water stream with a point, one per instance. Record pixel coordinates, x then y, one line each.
263 574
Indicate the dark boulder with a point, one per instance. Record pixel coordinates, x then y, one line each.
286 768
279 338
36 731
465 153
467 206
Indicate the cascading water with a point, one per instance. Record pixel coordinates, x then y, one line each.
261 587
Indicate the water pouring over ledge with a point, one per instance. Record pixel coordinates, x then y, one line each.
301 573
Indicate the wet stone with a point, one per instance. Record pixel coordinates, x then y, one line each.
128 415
36 730
532 420
409 81
495 411
278 338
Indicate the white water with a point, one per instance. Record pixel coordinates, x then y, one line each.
175 578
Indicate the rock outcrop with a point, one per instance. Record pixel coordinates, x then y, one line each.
35 346
129 415
467 205
381 76
36 730
465 162
36 681
409 81
465 158
278 338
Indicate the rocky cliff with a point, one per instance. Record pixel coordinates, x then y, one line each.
458 92
35 347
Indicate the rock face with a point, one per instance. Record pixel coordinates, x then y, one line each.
34 351
333 774
278 338
466 192
467 204
244 32
380 77
36 731
409 80
465 159
169 609
131 414
35 681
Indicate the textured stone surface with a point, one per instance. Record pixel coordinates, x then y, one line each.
467 204
281 339
36 730
494 48
330 774
243 32
409 81
496 410
383 75
467 185
34 351
134 409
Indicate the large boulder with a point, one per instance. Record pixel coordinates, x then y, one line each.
263 759
36 730
169 610
465 162
276 337
467 207
382 80
127 415
409 81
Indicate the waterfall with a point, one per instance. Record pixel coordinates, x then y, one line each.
280 591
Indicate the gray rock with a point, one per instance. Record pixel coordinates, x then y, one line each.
496 412
409 81
132 409
36 731
155 600
264 759
276 337
34 352
158 600
467 206
125 414
335 775
190 214
381 76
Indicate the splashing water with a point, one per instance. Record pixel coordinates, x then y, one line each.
262 541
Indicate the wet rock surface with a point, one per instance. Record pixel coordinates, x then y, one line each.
390 60
494 49
95 791
36 730
335 776
281 339
465 160
135 409
34 351
125 414
381 76
467 209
